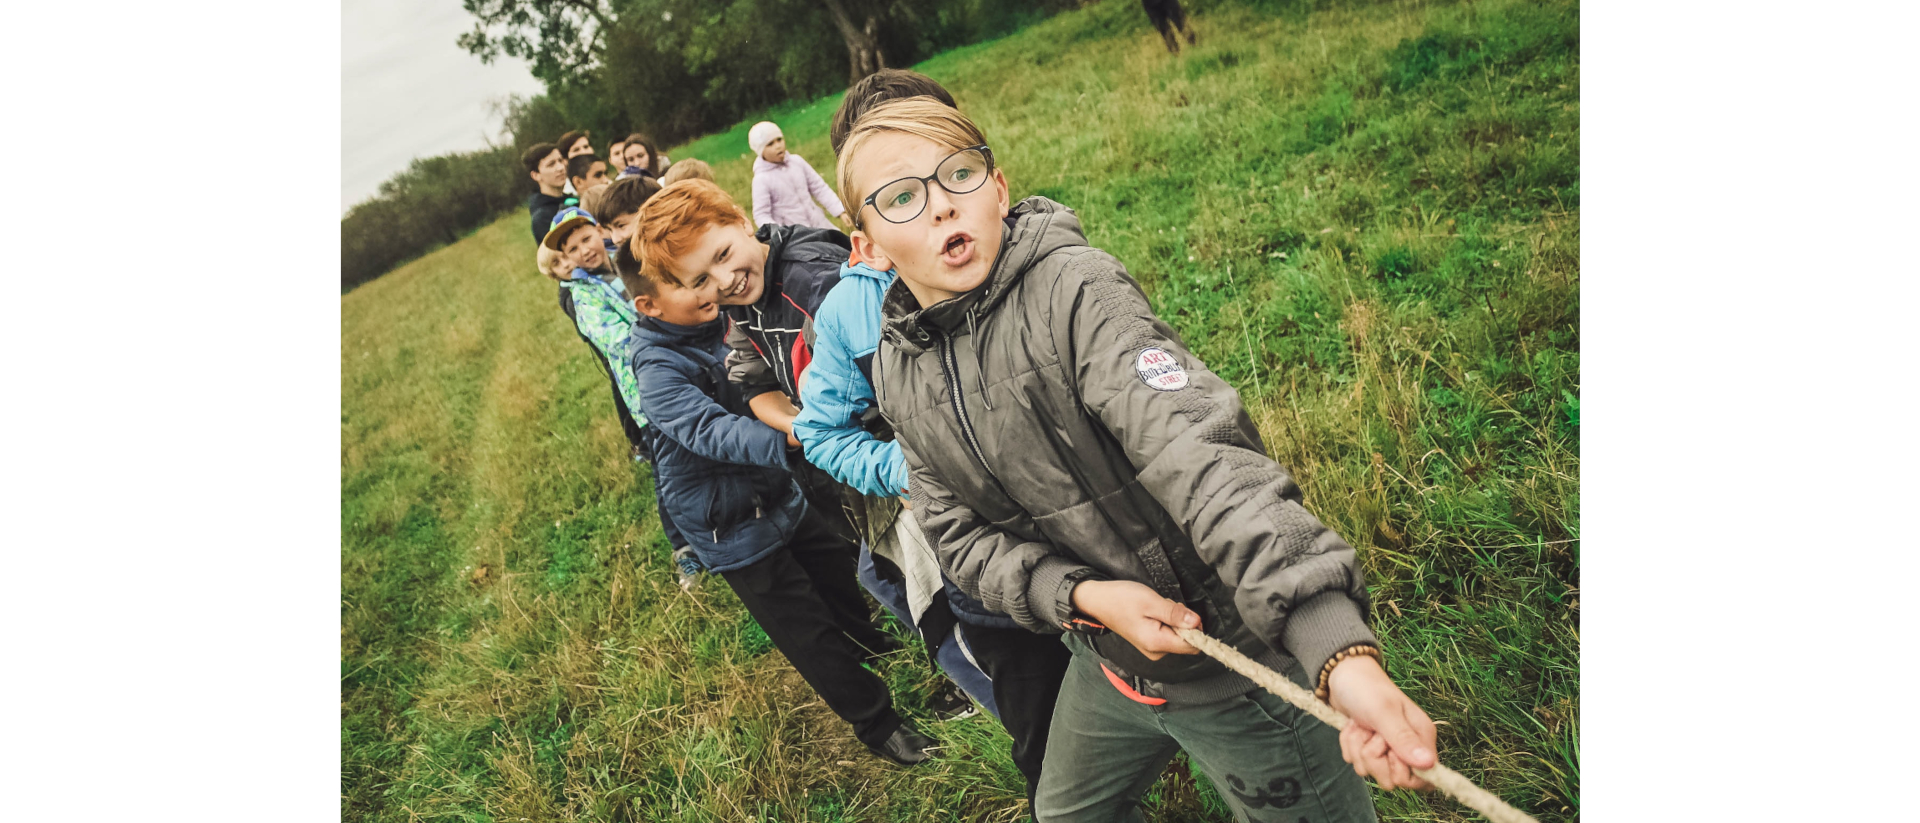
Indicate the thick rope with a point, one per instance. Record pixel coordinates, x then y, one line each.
1448 781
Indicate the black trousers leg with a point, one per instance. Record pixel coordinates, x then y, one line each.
832 564
1026 669
1176 15
783 598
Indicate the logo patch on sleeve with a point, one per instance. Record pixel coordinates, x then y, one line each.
1158 369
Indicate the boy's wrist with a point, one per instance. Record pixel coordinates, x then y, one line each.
1359 660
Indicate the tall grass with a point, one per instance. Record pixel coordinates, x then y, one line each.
1366 217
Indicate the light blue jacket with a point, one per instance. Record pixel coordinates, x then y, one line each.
839 388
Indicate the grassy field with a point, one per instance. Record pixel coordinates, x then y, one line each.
1365 216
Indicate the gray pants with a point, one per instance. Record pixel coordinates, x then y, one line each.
1269 760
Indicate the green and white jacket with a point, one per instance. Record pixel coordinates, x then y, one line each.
603 315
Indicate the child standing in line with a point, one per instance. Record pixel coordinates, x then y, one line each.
771 283
639 158
1078 468
785 186
843 432
584 172
547 167
595 299
729 478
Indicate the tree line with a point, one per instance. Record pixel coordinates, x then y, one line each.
673 68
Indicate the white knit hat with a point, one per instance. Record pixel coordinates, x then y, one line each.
761 134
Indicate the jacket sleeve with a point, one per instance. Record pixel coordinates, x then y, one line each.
745 367
604 327
1022 579
833 397
1297 583
686 415
762 200
821 191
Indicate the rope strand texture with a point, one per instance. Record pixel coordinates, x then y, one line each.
1448 781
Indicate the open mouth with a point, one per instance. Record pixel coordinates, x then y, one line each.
740 287
958 250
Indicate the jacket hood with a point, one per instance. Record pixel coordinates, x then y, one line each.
863 270
778 237
1040 227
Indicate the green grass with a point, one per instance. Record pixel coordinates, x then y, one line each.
1366 217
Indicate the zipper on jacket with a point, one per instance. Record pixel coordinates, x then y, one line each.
950 366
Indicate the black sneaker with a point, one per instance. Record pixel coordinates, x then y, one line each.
906 747
949 702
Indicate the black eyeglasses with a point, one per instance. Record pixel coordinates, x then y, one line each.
963 172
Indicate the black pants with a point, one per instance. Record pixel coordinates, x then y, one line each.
1167 16
1026 669
806 597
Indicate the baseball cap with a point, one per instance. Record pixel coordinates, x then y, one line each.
564 222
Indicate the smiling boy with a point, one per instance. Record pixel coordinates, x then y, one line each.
1079 469
729 480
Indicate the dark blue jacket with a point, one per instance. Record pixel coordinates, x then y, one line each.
542 207
723 476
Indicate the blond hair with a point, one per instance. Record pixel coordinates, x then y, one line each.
922 117
690 168
549 260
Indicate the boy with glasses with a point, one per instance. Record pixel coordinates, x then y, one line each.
1078 468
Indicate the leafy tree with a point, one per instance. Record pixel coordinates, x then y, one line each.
561 38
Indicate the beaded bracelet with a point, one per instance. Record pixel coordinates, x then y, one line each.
1326 672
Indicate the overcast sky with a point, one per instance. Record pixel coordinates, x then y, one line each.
407 90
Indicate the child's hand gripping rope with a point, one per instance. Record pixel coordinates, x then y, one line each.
1448 781
1383 733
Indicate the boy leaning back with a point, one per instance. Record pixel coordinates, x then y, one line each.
1079 469
728 478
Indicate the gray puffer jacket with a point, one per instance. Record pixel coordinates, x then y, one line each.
1056 430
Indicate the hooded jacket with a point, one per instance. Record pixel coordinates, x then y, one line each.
839 391
784 194
834 424
597 304
723 476
772 338
1056 430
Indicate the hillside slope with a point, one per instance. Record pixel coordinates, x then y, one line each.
1366 217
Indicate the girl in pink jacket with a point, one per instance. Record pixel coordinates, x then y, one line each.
785 187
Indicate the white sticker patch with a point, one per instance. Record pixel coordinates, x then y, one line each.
1158 369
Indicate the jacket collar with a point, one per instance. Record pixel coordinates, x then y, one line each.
1039 226
656 330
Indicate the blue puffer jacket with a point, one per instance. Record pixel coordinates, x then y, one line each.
839 390
723 476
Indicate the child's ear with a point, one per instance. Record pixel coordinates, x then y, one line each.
870 252
645 305
1000 185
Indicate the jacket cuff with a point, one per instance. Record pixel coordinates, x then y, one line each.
1321 626
1050 591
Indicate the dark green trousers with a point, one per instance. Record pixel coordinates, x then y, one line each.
1269 760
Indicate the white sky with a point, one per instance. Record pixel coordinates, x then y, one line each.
407 90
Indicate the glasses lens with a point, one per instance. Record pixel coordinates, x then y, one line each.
964 171
901 200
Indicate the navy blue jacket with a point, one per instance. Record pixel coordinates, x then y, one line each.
542 207
722 475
